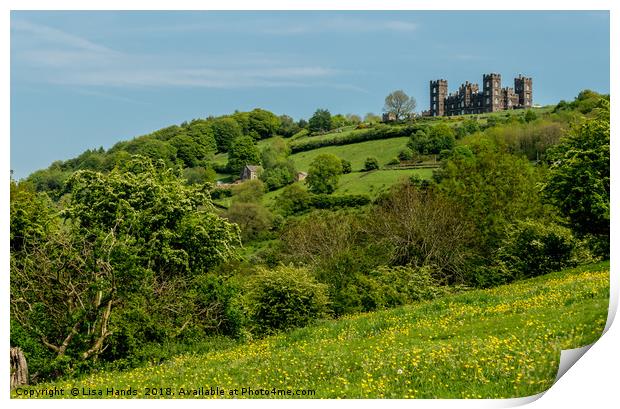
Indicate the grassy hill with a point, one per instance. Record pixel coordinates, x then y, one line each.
497 343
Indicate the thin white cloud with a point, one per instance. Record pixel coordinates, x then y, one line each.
57 57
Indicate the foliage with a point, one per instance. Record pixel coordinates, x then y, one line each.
399 104
533 248
279 170
199 175
530 115
225 131
578 182
133 241
321 121
346 166
288 127
436 139
242 152
493 188
405 155
423 228
293 199
409 352
381 131
262 124
323 174
285 297
371 163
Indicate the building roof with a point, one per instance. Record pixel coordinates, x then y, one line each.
252 168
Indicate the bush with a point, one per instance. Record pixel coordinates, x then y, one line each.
285 297
394 161
346 166
533 248
393 286
371 163
405 154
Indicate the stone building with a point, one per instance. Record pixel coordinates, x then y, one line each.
470 100
250 172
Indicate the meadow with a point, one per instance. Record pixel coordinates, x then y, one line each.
496 343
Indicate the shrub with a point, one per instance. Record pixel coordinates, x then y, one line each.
533 248
285 297
394 161
346 166
405 154
393 286
371 163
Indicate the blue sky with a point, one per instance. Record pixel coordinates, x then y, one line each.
82 80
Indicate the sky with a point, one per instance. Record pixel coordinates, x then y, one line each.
81 80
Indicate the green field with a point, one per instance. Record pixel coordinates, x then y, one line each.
376 181
498 343
384 150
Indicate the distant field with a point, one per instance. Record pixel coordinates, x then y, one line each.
384 150
503 342
372 183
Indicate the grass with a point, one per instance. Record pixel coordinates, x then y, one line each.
498 343
374 182
384 150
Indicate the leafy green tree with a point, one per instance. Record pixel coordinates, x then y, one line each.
199 175
438 138
321 121
338 121
243 151
288 127
371 163
578 182
494 188
262 124
151 148
191 152
353 119
399 104
278 169
134 244
293 199
346 166
325 169
225 130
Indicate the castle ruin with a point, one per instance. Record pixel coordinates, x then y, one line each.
469 100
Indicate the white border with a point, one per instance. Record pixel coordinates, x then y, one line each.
592 381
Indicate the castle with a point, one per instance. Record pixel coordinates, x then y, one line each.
469 100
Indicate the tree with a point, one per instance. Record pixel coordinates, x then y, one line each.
225 130
530 115
243 151
346 166
262 124
129 243
371 163
493 187
288 127
578 182
325 169
399 104
321 121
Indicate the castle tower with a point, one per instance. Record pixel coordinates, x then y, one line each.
492 90
523 88
439 92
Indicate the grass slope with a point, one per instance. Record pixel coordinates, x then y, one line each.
376 181
502 342
384 150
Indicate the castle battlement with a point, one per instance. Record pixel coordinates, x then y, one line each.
468 99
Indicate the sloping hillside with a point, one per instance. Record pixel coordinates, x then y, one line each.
502 342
